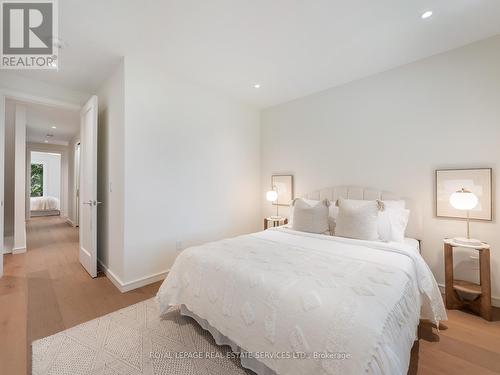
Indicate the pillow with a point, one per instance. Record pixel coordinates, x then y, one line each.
333 211
393 221
310 216
358 219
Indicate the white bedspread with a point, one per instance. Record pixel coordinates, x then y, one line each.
44 203
347 304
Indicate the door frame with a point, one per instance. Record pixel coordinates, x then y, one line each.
76 185
6 94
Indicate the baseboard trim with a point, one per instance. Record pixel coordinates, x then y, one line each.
8 243
495 301
70 222
131 285
19 250
111 276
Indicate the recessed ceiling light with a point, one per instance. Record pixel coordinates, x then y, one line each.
426 14
256 86
54 127
46 141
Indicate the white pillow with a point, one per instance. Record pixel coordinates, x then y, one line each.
310 216
358 219
333 211
393 221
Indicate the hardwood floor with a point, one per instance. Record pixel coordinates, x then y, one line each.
46 291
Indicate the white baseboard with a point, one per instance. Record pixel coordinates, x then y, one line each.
131 285
70 222
495 301
18 250
9 246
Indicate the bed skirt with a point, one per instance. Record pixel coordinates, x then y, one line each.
249 363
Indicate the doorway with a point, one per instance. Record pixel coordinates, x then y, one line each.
45 184
42 173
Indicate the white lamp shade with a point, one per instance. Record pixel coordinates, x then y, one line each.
463 200
272 195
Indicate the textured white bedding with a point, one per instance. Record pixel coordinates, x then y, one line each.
413 244
281 291
44 204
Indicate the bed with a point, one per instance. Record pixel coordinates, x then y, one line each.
44 206
299 303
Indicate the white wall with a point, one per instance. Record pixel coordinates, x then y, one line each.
391 131
111 173
51 173
72 181
20 180
13 84
192 167
9 167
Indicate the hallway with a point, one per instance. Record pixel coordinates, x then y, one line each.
46 290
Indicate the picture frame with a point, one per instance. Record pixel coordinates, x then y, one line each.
283 184
477 180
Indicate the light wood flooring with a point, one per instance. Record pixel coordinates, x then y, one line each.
46 291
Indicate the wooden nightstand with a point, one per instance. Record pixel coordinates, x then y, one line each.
481 301
272 222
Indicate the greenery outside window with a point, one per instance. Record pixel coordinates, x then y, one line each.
37 180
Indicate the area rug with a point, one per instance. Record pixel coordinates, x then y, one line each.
133 341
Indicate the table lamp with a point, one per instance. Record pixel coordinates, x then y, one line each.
272 196
465 200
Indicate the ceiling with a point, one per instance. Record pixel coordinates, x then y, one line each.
41 118
290 47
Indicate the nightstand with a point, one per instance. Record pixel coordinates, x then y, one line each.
481 293
274 222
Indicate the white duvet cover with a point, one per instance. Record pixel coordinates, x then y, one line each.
351 306
44 203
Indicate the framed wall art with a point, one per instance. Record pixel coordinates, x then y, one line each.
476 180
283 184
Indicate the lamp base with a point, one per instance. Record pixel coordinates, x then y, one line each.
467 241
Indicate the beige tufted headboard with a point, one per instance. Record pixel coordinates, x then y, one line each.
414 228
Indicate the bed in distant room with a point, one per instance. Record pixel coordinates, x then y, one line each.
44 206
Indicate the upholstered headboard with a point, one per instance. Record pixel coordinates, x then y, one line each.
351 192
414 228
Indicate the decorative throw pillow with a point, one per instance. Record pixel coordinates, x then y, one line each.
333 212
310 216
393 221
358 219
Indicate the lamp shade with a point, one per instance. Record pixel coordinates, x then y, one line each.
463 200
272 195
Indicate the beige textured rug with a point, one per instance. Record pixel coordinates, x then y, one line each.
132 341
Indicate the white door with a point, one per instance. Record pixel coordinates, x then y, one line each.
88 186
2 152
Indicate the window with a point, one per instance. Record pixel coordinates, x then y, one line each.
37 180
